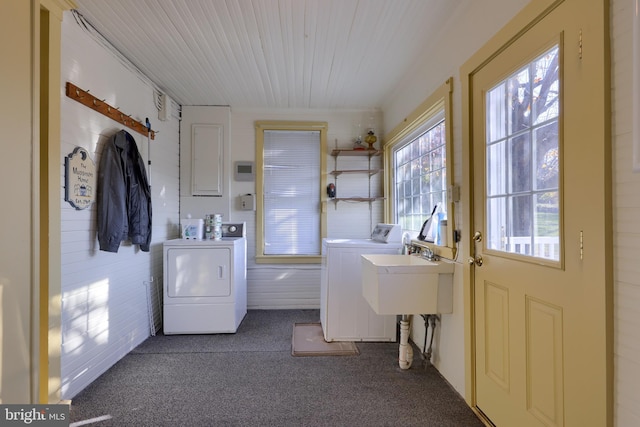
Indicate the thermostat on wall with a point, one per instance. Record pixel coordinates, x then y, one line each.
244 171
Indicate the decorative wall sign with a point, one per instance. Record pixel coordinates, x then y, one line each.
80 179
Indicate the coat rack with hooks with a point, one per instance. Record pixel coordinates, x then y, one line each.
85 98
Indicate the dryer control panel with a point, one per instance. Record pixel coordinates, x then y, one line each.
234 229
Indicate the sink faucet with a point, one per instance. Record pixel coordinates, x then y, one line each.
428 254
406 243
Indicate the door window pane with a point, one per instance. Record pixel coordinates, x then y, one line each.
546 145
496 102
523 217
496 164
520 163
519 101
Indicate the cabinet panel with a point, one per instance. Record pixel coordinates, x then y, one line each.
207 145
344 312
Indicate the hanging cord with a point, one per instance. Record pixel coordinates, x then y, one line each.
88 28
148 124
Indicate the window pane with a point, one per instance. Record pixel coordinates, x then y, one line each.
546 145
496 164
425 165
523 217
547 230
424 180
496 222
406 172
415 167
519 96
436 158
521 224
415 186
520 164
496 103
546 89
291 192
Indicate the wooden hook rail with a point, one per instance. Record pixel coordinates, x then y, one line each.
85 98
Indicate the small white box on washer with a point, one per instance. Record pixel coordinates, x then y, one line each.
248 202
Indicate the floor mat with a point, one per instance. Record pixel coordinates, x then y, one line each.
308 340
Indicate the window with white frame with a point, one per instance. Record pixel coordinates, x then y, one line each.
420 175
418 159
290 222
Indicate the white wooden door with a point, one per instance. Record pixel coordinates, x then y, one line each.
540 189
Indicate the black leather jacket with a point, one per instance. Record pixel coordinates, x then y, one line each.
123 196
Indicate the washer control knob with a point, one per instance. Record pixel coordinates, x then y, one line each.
233 229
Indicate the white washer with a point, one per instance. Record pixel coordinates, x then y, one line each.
205 285
345 315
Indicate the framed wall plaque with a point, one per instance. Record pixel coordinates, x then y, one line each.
80 179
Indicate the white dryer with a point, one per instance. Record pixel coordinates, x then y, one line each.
345 315
205 284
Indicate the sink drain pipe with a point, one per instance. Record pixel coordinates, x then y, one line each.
428 319
405 357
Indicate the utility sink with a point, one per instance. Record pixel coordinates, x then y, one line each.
407 284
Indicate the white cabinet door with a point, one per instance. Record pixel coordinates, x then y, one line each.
207 144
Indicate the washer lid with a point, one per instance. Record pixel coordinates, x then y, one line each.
350 243
386 233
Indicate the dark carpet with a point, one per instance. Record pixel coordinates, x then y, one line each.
251 379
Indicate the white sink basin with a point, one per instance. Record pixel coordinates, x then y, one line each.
407 284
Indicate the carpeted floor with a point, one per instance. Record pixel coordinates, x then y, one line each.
251 379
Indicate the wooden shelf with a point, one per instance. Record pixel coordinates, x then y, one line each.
371 172
351 152
356 199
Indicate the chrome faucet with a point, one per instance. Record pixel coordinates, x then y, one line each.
428 254
406 243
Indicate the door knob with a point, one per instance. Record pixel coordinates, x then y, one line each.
477 261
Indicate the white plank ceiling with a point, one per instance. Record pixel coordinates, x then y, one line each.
272 53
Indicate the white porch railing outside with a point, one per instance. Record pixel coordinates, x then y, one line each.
544 247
